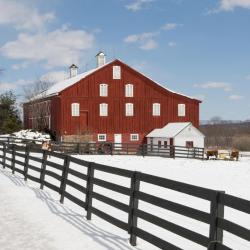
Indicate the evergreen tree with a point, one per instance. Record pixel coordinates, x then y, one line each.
9 116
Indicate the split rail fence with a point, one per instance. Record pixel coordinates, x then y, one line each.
109 148
21 159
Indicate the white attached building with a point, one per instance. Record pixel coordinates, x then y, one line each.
182 134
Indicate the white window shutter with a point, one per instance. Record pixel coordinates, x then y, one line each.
129 90
103 109
75 109
116 72
103 89
129 109
181 109
156 109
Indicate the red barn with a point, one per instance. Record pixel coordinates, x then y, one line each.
112 102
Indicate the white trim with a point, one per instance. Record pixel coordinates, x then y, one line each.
181 110
129 109
117 72
156 109
129 90
102 135
75 109
103 109
103 89
134 135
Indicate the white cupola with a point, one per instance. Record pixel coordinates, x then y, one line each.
73 70
100 59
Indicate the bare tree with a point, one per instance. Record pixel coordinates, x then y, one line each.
36 107
37 90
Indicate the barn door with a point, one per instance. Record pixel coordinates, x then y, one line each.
117 141
83 122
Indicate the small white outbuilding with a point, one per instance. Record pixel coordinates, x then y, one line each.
182 134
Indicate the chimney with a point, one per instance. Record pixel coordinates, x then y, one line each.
73 70
100 59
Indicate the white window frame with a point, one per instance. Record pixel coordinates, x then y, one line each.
132 137
181 110
129 109
103 109
103 89
156 109
102 135
129 90
75 109
116 72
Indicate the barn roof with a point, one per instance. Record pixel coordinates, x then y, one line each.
62 85
170 130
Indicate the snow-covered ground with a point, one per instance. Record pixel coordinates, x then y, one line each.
36 215
27 134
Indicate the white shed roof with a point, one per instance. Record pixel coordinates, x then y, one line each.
170 130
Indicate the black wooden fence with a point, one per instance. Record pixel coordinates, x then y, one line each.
11 156
109 148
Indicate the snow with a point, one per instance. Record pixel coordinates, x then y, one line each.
170 130
64 227
60 86
27 134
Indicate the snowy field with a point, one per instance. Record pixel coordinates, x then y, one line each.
34 219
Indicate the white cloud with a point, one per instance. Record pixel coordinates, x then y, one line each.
149 45
13 85
230 5
214 85
144 40
136 5
172 44
170 26
54 76
22 16
235 97
57 48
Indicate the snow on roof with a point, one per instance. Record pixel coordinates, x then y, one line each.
170 130
60 86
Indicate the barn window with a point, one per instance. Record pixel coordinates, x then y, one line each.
129 90
134 137
103 89
156 109
102 137
103 109
75 109
116 72
159 144
165 144
129 109
181 109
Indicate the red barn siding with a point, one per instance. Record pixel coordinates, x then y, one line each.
146 92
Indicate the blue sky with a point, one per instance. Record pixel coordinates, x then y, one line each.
199 48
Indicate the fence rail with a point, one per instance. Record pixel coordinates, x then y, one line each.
109 148
215 218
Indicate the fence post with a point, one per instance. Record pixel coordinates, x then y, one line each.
133 204
4 154
216 211
64 178
89 189
172 151
43 168
26 162
13 159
